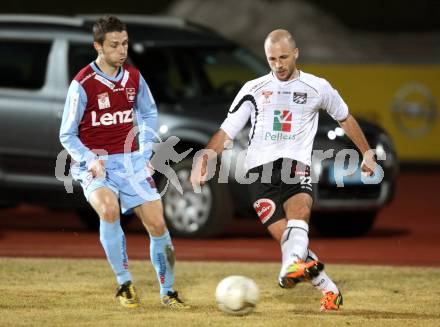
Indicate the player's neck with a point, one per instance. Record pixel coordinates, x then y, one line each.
294 75
106 68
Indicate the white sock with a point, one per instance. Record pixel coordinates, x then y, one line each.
295 241
322 282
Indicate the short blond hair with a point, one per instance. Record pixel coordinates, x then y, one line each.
278 35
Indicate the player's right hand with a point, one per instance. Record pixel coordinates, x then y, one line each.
198 173
97 168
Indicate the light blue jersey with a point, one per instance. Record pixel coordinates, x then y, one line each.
78 105
93 94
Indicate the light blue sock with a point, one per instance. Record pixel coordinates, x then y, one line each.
162 258
112 239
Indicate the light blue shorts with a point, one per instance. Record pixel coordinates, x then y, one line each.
126 176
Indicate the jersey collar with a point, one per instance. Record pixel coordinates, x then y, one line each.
101 73
282 83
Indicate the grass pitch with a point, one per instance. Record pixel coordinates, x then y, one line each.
65 292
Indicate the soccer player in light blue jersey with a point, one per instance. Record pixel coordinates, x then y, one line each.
98 132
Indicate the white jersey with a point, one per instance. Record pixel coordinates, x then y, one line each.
284 116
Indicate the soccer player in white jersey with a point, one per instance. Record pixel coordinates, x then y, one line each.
97 124
283 107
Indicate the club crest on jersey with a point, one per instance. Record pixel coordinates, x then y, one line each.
103 101
266 96
299 98
131 93
265 208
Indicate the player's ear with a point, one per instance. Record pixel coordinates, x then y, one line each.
98 47
296 53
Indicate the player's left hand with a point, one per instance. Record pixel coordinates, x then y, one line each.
368 165
150 168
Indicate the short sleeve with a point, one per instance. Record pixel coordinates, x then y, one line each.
239 113
332 102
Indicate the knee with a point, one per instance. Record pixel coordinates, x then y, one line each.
109 213
156 226
304 213
300 212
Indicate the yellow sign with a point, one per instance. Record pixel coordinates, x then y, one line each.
403 99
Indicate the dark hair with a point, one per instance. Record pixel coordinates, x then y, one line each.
105 25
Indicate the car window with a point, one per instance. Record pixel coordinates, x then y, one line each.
195 73
23 63
80 55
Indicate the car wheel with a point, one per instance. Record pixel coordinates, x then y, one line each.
89 218
195 215
344 224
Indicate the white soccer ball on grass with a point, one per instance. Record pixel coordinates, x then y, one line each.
237 295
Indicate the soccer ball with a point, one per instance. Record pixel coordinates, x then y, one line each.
237 295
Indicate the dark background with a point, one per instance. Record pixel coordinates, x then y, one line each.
391 15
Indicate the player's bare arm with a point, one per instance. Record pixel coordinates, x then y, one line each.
353 130
217 143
